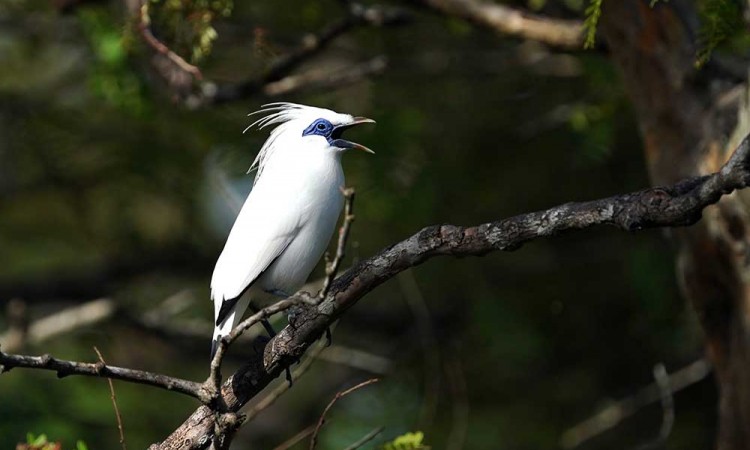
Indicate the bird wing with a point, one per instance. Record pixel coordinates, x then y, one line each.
263 230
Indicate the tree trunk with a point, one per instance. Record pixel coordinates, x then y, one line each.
689 119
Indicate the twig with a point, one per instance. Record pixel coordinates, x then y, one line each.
291 442
65 368
333 268
144 23
321 420
114 402
680 204
365 439
613 415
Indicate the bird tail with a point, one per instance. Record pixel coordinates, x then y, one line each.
231 320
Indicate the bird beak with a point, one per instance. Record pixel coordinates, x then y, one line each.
342 143
359 120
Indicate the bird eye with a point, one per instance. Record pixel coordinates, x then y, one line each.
320 127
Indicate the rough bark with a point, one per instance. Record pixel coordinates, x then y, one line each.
688 117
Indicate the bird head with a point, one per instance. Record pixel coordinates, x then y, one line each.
317 129
331 129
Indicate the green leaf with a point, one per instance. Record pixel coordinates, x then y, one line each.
593 13
408 441
38 441
721 20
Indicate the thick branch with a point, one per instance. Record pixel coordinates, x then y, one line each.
670 206
512 22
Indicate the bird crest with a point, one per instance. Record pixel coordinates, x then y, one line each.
288 116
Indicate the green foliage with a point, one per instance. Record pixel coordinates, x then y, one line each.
187 24
408 441
110 77
593 13
721 20
42 443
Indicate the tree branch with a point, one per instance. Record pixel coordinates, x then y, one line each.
144 26
512 22
312 44
64 368
669 206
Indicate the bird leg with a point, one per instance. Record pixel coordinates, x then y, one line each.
329 339
271 333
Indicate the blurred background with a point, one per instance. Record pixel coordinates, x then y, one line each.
119 181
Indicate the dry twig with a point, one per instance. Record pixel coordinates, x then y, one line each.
144 24
333 268
65 368
114 403
322 419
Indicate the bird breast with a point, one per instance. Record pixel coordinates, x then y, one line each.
312 188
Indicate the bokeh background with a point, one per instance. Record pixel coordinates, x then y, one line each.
112 186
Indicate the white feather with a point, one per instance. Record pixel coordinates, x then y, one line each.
288 218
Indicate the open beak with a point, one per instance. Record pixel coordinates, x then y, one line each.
343 143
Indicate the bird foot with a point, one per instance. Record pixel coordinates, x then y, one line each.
289 376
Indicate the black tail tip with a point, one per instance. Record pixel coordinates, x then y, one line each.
214 347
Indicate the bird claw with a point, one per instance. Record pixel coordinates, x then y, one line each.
269 329
289 376
329 338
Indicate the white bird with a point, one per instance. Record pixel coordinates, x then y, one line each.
289 216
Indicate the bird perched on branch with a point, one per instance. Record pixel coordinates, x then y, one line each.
289 216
